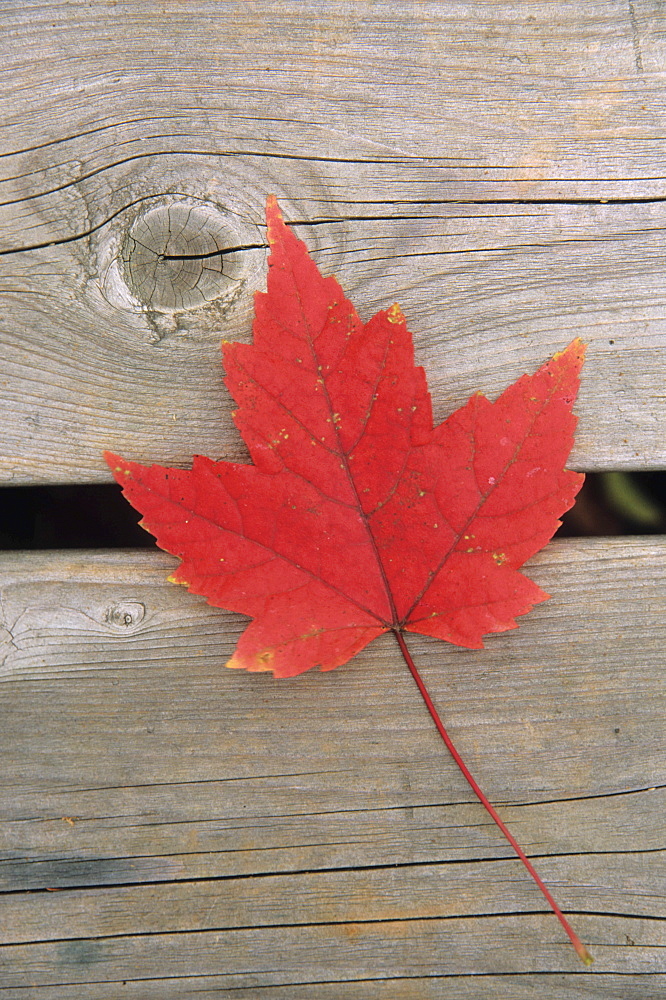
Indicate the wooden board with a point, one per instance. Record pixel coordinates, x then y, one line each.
221 834
497 170
169 828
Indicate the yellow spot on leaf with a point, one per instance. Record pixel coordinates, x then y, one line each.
395 314
257 665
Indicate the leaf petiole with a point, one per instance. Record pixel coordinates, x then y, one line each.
581 950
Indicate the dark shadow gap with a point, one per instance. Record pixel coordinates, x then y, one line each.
69 517
97 516
618 503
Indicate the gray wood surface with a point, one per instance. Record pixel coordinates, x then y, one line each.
496 169
215 833
172 829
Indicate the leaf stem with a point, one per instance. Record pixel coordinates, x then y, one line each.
581 950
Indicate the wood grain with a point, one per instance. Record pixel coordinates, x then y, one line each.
169 828
236 835
497 171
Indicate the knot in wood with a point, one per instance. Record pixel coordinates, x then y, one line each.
125 614
174 256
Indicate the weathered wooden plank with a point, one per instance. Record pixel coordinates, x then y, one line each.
71 390
232 834
85 377
525 986
344 896
192 831
315 954
521 987
572 97
454 158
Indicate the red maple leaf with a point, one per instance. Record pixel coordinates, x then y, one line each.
358 516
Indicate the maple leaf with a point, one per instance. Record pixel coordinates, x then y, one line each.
357 515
